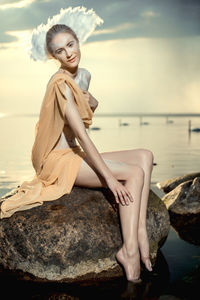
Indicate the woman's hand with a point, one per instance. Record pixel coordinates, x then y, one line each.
121 193
91 100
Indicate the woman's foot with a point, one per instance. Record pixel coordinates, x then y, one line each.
143 242
131 264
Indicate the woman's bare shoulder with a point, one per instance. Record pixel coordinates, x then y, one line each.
84 70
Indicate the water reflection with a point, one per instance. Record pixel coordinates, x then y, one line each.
150 288
187 227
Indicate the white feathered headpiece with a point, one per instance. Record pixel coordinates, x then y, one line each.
82 22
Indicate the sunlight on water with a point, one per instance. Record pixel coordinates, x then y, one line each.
176 152
2 115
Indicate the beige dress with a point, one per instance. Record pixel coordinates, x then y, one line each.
55 168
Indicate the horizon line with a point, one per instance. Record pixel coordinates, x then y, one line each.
151 114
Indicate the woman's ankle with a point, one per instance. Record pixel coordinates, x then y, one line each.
130 249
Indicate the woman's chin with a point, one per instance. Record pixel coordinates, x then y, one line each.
71 65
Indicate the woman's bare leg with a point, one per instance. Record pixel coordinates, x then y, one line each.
128 255
144 159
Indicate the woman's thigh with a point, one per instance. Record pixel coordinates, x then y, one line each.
89 178
132 156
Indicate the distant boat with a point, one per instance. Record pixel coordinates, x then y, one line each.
197 129
169 121
123 123
143 123
95 128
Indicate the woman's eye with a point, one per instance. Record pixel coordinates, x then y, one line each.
62 49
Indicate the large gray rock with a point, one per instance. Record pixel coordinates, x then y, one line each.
170 184
183 204
73 238
185 198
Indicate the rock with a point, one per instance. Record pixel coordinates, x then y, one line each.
187 227
184 199
73 238
183 204
170 184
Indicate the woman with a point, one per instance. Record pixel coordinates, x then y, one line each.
126 173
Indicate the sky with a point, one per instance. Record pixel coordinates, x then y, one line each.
144 58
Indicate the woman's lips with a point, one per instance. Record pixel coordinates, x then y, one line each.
72 60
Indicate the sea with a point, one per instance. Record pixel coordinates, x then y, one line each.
176 149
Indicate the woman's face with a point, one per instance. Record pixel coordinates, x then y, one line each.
65 48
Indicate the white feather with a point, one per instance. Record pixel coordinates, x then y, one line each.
80 20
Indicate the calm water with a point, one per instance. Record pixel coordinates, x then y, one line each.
176 152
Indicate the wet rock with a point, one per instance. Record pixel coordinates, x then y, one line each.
183 204
73 238
184 199
187 227
170 184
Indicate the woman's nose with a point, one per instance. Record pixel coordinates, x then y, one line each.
68 53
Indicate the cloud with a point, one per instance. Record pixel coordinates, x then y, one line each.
7 1
149 13
122 19
14 4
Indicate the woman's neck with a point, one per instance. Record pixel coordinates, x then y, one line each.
73 73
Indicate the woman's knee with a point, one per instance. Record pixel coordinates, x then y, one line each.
147 157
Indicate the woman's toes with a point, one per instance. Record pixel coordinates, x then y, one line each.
144 248
147 262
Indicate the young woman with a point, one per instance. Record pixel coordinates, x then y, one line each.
126 173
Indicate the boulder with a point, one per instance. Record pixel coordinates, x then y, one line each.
74 238
170 184
183 204
185 198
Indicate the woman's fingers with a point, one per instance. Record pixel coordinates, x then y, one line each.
121 193
122 199
130 196
116 197
125 196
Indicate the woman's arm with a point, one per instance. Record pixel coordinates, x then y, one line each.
120 192
78 128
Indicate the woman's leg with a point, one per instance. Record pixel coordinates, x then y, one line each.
144 159
128 255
